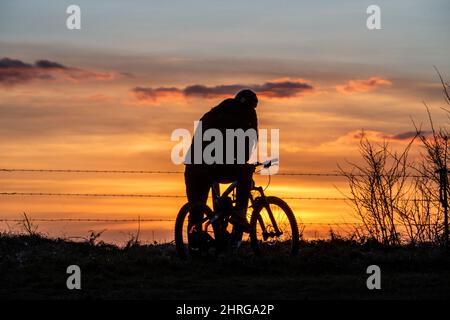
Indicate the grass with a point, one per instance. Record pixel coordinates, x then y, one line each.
34 267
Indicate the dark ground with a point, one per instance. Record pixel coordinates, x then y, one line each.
34 267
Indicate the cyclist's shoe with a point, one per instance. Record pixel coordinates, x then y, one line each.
239 220
195 240
199 241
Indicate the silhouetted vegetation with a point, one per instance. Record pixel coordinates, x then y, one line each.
399 200
32 266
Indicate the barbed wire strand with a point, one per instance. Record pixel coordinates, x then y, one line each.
131 195
173 220
305 174
90 171
87 220
112 195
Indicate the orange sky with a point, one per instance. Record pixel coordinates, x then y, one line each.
101 124
108 98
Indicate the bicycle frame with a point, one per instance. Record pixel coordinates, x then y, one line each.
216 196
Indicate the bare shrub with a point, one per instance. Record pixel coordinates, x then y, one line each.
394 205
28 226
377 189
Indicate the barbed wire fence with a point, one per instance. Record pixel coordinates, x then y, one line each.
305 174
167 196
134 195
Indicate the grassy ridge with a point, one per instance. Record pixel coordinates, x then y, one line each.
35 267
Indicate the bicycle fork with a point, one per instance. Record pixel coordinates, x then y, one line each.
266 234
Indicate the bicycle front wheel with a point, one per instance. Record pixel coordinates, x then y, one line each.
275 229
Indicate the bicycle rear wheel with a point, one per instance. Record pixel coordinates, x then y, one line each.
267 218
194 237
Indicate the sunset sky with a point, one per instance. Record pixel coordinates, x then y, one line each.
108 96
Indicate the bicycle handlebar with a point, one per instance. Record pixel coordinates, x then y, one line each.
266 164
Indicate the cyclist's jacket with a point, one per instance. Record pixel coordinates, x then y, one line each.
236 145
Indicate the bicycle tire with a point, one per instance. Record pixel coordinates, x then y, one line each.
256 243
181 247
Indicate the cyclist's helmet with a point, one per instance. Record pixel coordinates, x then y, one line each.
247 97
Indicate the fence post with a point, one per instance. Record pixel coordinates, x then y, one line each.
443 193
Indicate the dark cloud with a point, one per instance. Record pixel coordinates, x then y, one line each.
404 135
46 64
210 92
271 89
283 89
13 72
7 63
383 136
143 93
409 135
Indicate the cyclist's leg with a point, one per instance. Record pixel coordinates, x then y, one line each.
242 174
197 190
197 187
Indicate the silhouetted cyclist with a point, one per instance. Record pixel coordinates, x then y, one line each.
234 113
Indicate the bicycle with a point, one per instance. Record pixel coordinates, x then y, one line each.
273 222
